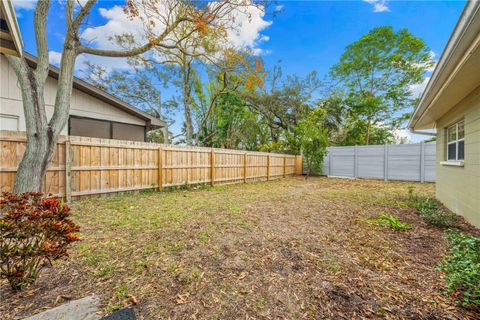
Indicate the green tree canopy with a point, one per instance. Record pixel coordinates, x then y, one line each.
377 73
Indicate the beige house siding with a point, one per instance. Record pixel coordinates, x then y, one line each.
458 188
82 104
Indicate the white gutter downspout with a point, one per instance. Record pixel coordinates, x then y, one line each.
432 134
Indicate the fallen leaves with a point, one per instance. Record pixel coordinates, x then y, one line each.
285 249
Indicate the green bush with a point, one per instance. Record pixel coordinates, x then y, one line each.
462 269
434 214
393 222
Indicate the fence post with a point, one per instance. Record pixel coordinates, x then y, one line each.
212 167
160 169
268 167
329 161
68 173
385 162
422 161
355 161
245 155
298 165
284 166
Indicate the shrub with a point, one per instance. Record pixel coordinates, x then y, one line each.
393 222
34 230
434 214
462 269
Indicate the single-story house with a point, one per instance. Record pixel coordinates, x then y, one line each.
93 112
451 105
10 36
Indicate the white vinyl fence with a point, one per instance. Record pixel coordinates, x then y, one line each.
408 162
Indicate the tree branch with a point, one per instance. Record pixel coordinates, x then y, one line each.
40 25
82 14
134 51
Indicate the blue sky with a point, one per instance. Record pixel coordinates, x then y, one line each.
303 36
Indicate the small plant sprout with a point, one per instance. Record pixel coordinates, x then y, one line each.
392 222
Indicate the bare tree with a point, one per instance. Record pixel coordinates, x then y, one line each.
43 133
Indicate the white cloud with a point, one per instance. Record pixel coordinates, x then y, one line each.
24 4
55 57
279 8
245 31
379 5
432 57
417 89
402 135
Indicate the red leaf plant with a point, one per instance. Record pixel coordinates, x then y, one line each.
34 231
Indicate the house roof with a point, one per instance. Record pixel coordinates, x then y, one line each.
457 72
10 37
89 89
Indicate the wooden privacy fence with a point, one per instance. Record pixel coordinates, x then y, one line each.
87 166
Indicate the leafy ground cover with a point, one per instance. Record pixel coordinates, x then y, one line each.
291 248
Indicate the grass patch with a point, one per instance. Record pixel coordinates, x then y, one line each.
328 262
462 269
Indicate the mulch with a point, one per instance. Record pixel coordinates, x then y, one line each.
287 249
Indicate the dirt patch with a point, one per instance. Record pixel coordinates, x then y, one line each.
290 249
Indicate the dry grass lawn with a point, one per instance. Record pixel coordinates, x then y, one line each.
286 249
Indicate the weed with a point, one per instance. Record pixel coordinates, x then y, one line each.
434 214
411 193
328 262
393 222
121 291
106 271
203 236
234 209
189 275
462 269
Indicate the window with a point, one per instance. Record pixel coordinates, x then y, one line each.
87 127
455 141
123 131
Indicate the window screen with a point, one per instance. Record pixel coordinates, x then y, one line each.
123 131
89 128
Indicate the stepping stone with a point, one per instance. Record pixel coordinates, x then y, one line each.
123 314
81 309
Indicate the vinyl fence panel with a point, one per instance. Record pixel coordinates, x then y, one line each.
371 162
405 162
342 162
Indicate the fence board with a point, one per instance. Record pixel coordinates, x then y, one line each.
102 166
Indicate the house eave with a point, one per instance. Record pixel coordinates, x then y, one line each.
81 85
11 41
456 74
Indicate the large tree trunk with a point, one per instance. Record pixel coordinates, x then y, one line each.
188 122
38 154
367 135
42 135
186 103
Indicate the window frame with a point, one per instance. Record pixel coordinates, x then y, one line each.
456 141
111 122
